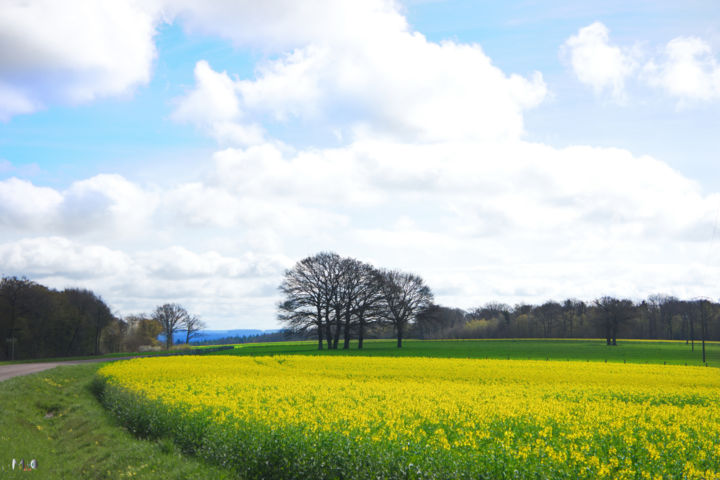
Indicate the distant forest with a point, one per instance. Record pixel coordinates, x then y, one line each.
338 302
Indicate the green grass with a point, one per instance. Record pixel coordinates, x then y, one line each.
630 351
54 417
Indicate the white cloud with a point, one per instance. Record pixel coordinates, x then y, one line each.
214 107
596 62
23 205
688 70
280 25
58 256
72 51
394 82
104 202
177 262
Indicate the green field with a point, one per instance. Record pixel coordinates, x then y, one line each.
630 351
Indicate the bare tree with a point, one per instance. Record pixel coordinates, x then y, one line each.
171 316
706 313
192 326
613 313
310 289
367 306
547 315
404 296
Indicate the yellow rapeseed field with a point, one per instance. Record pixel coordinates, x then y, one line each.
507 418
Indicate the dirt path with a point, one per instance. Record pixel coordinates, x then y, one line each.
17 369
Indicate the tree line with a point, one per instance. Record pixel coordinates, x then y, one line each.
334 298
661 317
40 322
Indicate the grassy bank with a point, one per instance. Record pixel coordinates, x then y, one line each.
629 351
53 417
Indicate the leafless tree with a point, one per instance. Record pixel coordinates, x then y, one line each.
171 316
613 313
547 315
367 305
404 296
706 312
192 326
310 291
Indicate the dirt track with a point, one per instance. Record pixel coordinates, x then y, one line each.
15 370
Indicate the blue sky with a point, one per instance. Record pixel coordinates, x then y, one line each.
513 151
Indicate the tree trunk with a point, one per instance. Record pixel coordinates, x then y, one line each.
692 335
703 331
338 324
399 336
346 333
361 331
328 329
319 328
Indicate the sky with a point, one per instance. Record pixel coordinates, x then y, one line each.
191 151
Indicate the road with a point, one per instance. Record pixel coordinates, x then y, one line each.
17 369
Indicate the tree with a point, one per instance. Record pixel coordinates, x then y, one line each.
547 314
571 309
404 296
310 296
367 303
91 316
141 330
706 312
171 316
613 313
192 326
113 336
14 294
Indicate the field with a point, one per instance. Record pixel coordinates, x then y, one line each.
314 416
630 351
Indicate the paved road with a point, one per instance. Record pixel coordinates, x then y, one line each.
17 369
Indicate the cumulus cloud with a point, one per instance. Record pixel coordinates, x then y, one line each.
596 62
394 82
213 106
103 202
686 68
58 256
72 52
177 262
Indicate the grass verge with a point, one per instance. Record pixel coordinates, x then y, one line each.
54 417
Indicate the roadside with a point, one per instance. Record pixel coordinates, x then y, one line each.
54 418
18 369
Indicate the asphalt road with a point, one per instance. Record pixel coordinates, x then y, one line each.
17 369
